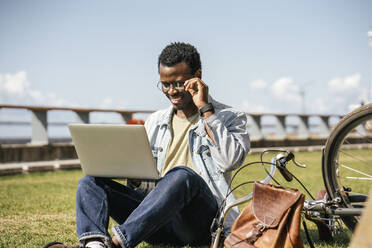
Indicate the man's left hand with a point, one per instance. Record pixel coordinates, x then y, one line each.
198 90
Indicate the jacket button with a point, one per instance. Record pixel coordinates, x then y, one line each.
160 149
208 154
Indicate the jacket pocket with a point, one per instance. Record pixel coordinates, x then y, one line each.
207 160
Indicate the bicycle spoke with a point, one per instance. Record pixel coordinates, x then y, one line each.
358 178
352 156
363 135
368 140
357 171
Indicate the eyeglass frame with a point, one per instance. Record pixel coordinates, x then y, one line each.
160 85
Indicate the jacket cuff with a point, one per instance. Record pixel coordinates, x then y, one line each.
211 119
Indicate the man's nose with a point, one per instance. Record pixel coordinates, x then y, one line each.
172 90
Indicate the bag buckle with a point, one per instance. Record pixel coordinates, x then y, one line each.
261 227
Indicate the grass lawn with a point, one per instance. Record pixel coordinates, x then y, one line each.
40 207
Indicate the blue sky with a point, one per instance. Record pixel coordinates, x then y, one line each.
256 55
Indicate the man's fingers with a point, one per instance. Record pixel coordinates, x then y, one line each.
190 85
195 83
192 89
198 90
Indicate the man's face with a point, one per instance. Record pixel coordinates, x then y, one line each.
180 99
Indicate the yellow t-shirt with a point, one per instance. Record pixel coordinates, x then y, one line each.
178 152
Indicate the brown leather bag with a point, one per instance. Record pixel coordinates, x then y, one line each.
271 219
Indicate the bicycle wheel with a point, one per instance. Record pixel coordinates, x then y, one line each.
347 161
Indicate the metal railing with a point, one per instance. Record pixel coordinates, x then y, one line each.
278 128
303 127
39 121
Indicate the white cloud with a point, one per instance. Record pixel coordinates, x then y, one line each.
106 103
258 84
318 105
16 89
36 95
344 85
252 107
347 92
285 89
281 96
365 93
284 96
353 106
16 85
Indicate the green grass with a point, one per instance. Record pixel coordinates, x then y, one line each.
40 207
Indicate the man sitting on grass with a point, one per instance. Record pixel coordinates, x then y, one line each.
196 142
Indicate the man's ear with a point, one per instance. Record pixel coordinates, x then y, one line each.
198 73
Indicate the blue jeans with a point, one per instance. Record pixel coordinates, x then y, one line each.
178 211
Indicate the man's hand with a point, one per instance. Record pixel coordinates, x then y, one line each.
198 90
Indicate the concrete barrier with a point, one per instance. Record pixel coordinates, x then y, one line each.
38 166
35 152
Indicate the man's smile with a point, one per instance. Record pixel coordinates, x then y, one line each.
176 99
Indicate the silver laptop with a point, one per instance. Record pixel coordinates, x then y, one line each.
114 151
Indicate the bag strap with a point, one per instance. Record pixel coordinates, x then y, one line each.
311 244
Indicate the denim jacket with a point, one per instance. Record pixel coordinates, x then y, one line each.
212 161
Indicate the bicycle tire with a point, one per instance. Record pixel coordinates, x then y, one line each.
336 174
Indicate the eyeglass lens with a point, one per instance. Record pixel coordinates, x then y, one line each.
177 85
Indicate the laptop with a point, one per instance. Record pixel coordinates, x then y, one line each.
114 151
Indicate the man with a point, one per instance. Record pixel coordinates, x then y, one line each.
196 142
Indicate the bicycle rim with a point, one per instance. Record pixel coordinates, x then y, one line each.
347 162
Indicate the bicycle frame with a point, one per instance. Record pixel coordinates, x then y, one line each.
317 209
324 207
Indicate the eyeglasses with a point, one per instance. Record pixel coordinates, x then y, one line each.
165 87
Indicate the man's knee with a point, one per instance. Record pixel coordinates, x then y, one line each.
182 174
90 182
86 180
182 171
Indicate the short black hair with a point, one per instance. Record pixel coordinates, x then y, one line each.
178 52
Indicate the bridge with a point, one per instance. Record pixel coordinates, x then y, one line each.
299 128
39 151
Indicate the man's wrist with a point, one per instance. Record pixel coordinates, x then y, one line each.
206 115
207 109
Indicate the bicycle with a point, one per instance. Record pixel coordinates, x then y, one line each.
347 176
